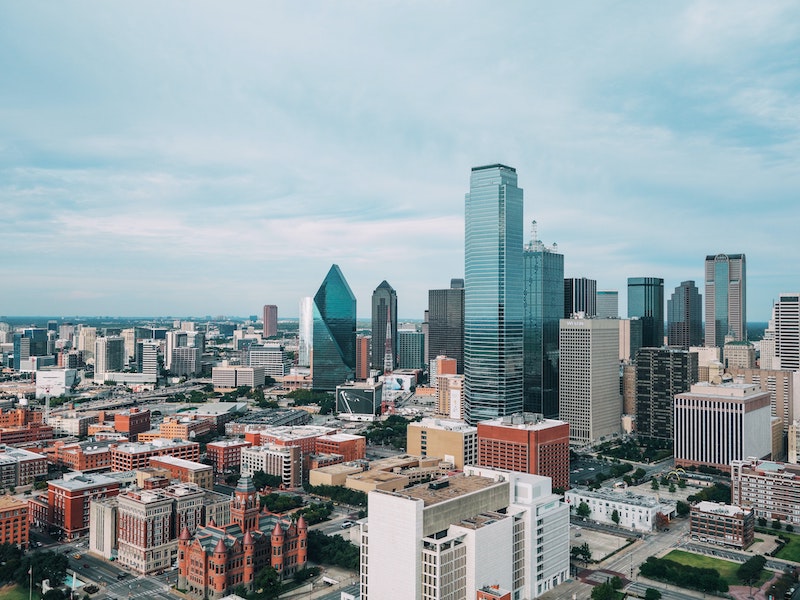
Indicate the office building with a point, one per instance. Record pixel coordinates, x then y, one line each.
716 424
685 316
186 362
646 301
726 298
132 456
462 533
493 353
794 442
607 304
411 349
446 323
451 440
173 340
580 296
218 558
543 305
363 345
384 310
722 524
636 512
270 320
132 422
769 488
630 339
14 522
146 357
786 319
661 373
783 387
226 454
285 462
87 336
350 447
305 331
334 332
588 379
739 355
450 396
273 358
185 471
21 467
526 443
231 377
109 354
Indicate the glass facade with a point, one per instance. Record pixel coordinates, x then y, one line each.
685 316
334 332
493 312
725 299
384 303
646 301
446 323
543 302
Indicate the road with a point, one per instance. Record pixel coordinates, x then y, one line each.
773 564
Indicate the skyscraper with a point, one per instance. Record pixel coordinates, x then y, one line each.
646 301
446 323
580 295
607 304
109 354
384 307
661 373
270 320
334 355
543 301
493 364
411 349
305 331
786 316
685 316
726 298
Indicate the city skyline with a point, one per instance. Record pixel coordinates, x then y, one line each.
214 160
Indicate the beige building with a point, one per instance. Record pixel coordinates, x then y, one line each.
707 357
772 489
285 462
450 396
185 471
739 355
333 474
794 442
450 440
783 387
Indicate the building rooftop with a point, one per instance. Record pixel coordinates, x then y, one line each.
7 502
183 463
444 425
621 496
288 433
344 437
136 447
448 488
725 390
228 443
525 420
720 509
214 409
79 481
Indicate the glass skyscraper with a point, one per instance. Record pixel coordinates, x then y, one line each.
543 302
685 316
725 298
493 312
646 301
446 323
334 332
384 304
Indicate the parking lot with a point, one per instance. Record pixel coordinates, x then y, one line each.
601 544
583 470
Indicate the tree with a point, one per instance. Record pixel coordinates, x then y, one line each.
682 485
582 552
762 522
53 594
789 527
682 508
776 524
615 516
652 594
604 591
662 520
267 585
671 488
750 570
654 484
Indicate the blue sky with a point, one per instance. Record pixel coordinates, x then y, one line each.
193 158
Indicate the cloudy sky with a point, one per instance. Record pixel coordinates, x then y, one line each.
193 158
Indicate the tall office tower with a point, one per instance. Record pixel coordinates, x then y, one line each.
129 335
661 373
607 304
588 378
334 358
173 340
493 365
305 333
786 315
109 354
739 355
362 357
446 323
685 316
147 357
646 301
726 298
86 339
580 295
411 349
766 347
716 424
384 309
270 317
543 302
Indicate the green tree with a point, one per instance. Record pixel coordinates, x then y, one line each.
682 508
682 485
762 522
652 594
776 524
671 488
654 484
262 480
266 585
750 570
582 552
583 510
615 516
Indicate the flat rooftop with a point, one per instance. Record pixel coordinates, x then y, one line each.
728 510
458 485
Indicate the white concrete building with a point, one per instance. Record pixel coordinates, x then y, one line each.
449 538
786 316
285 462
53 382
635 512
794 442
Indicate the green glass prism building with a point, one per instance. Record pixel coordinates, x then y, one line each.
493 310
543 302
646 301
334 333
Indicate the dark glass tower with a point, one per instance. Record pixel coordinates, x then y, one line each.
384 304
334 332
660 374
685 316
493 363
646 301
543 302
446 323
726 298
580 295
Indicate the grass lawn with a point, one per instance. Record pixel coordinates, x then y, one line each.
790 551
15 592
725 568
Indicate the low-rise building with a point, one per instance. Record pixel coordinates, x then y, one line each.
634 511
132 422
82 456
771 489
20 467
723 524
132 456
185 471
285 462
226 454
13 522
450 440
351 447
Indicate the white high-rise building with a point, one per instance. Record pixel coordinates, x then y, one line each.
109 354
588 378
786 316
87 337
449 538
305 332
726 298
173 340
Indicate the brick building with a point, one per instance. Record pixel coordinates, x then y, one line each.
66 505
351 447
285 462
185 428
20 467
526 443
185 471
772 489
226 454
132 422
132 456
216 559
13 521
18 417
32 432
82 456
722 524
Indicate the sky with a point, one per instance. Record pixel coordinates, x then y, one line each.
206 158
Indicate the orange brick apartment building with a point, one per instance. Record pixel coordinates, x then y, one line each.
13 521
